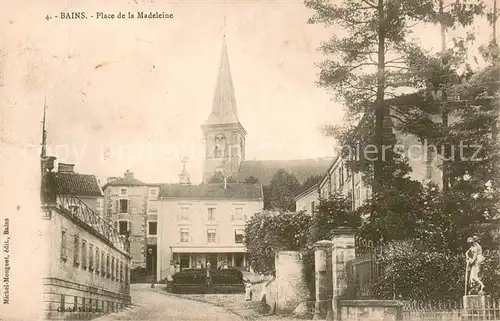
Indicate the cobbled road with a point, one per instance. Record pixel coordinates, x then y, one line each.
149 305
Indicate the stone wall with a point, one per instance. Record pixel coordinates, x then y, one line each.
363 310
291 286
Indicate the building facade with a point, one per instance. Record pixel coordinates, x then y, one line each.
205 223
89 262
127 200
339 179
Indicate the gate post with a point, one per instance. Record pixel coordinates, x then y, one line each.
343 250
322 265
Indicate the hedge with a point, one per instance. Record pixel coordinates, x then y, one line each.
198 276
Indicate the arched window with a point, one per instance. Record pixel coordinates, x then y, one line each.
220 145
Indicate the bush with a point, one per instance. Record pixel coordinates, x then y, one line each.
198 276
267 234
415 273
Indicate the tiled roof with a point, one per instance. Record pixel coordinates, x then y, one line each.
302 168
77 184
125 181
212 191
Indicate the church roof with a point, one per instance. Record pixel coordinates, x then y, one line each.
233 191
264 170
224 102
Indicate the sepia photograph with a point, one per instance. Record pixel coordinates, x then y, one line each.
255 160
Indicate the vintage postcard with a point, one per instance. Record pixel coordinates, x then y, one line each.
249 160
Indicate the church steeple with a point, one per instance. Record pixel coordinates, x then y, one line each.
224 102
223 134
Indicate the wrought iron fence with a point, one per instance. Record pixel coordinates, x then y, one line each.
78 210
451 311
363 270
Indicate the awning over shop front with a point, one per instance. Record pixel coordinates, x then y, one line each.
208 249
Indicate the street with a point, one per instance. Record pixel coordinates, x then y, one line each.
150 305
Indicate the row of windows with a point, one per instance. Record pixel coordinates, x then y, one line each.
123 227
239 236
123 206
336 180
152 192
94 260
211 214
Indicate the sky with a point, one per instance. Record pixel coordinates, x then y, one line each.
131 94
146 86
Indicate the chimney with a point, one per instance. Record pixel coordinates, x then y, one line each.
65 168
47 190
48 163
128 174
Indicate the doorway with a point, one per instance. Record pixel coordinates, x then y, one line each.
238 259
212 258
151 260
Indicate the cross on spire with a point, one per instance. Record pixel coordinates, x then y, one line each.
224 23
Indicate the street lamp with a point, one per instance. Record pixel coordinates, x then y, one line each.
150 252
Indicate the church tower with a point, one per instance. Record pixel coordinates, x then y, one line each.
223 134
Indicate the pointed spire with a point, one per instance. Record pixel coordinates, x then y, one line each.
43 153
224 101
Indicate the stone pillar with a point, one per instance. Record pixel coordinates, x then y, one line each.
343 250
292 288
323 277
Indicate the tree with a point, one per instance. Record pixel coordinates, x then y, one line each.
267 234
282 189
371 62
311 181
330 214
361 71
251 180
218 177
467 147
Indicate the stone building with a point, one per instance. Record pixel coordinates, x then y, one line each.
204 223
88 264
126 200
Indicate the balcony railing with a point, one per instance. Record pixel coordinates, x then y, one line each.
77 209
